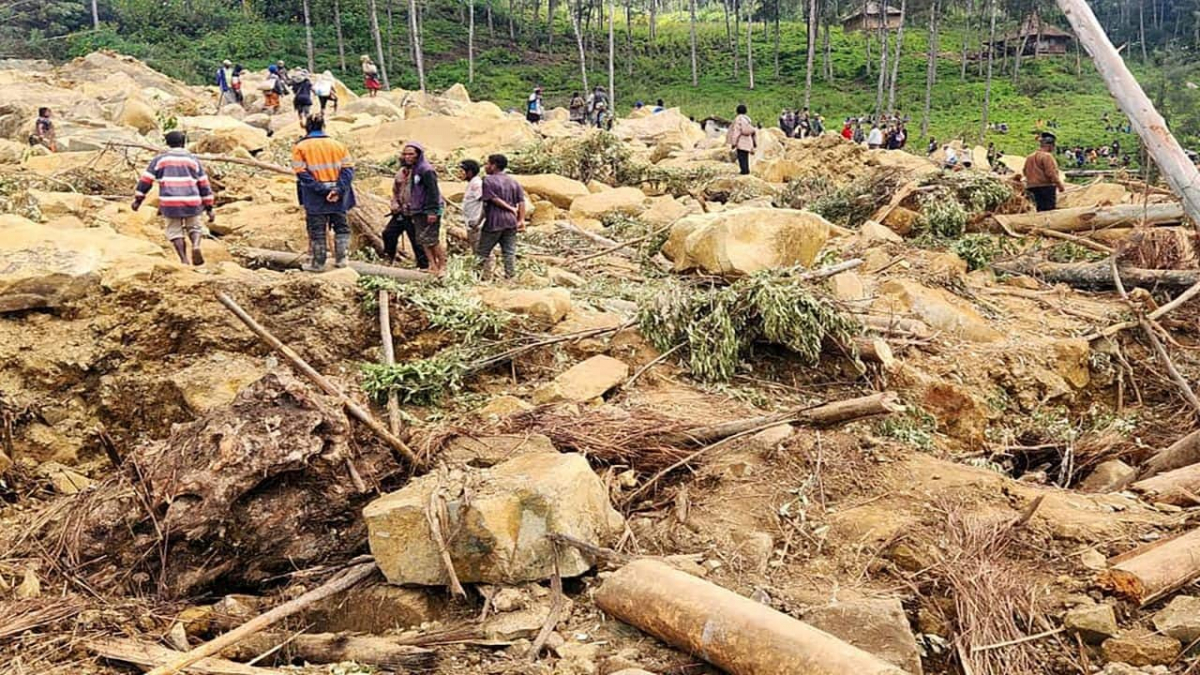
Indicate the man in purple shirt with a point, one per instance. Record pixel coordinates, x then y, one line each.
503 214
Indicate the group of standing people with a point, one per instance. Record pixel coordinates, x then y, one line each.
801 124
279 82
594 110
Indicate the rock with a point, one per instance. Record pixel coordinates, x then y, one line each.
632 671
5 462
11 152
666 210
872 231
521 624
509 600
1093 623
64 480
556 189
1110 476
547 304
503 406
1072 361
258 121
848 287
1180 619
737 188
878 627
1140 647
374 106
497 533
746 240
669 126
1093 560
216 380
58 204
486 451
473 136
457 92
625 200
561 277
220 135
584 381
772 437
779 170
936 307
595 186
901 220
138 114
1096 194
577 659
374 608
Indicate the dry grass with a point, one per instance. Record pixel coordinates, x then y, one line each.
1158 249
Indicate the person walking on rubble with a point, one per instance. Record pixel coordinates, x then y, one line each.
417 200
302 93
504 215
184 192
272 87
326 90
370 76
43 131
324 187
742 138
225 82
1042 180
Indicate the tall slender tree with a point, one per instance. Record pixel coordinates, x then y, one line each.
812 50
827 63
95 16
414 27
341 40
750 41
883 61
575 12
931 60
628 37
612 78
891 106
966 36
470 41
308 38
987 91
372 10
777 10
692 26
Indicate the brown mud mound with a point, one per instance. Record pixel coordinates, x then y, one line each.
244 493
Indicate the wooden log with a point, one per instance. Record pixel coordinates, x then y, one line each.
356 411
882 403
1177 486
1181 453
1150 572
149 655
337 584
895 325
1091 217
1176 167
734 633
389 359
876 350
371 650
1098 276
286 260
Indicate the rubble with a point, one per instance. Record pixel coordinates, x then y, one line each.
1093 623
1141 648
744 241
1180 619
584 381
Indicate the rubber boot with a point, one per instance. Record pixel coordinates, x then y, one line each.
317 261
181 249
341 248
197 257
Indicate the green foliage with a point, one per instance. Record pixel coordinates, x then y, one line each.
1069 251
601 156
979 250
719 325
448 305
420 382
942 217
914 427
977 192
847 206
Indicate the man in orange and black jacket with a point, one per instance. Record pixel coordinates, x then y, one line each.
324 177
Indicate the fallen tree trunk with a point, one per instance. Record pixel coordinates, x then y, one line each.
1178 486
286 260
1098 276
734 633
368 650
882 403
1091 217
1181 453
148 655
1150 572
337 584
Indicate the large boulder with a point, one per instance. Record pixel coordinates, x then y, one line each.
669 126
556 189
497 529
626 200
216 380
937 308
1096 194
218 134
39 267
743 241
584 381
11 152
877 627
136 113
376 106
443 136
549 305
457 92
57 204
1180 619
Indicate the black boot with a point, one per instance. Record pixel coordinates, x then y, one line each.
197 257
341 248
317 261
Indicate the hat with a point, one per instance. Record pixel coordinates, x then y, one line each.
227 62
1047 137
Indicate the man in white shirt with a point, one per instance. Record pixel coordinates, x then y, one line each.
875 138
472 204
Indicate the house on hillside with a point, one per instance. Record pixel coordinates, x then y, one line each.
873 16
1037 36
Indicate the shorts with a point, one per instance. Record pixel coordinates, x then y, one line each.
427 235
302 105
177 227
270 100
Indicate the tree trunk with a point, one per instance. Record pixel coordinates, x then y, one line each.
308 38
372 10
750 41
579 43
883 68
265 257
737 35
866 31
551 6
987 91
512 28
654 25
1098 276
341 41
1150 572
1181 453
828 63
414 27
391 37
891 106
612 78
1177 486
628 38
777 10
491 23
812 51
931 61
471 41
95 16
692 27
1142 28
1086 218
966 40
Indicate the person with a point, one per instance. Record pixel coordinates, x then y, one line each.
225 82
237 84
418 200
184 192
951 161
817 125
932 146
272 88
847 130
325 188
577 109
326 91
533 107
992 154
742 138
1116 146
598 106
1042 180
875 138
659 106
370 76
787 122
802 126
302 92
472 203
504 215
43 131
859 137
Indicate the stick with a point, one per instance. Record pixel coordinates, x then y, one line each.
147 654
1180 172
620 245
355 410
881 403
288 260
552 617
1181 453
373 650
1018 641
389 359
334 586
657 360
1157 314
1086 243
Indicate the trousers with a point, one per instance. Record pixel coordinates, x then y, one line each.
398 225
507 239
1045 197
743 157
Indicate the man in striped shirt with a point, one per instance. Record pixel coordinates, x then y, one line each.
183 194
324 177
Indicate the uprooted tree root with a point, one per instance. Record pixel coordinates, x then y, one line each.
242 494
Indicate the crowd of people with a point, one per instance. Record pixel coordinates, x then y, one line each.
1109 154
802 124
280 82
